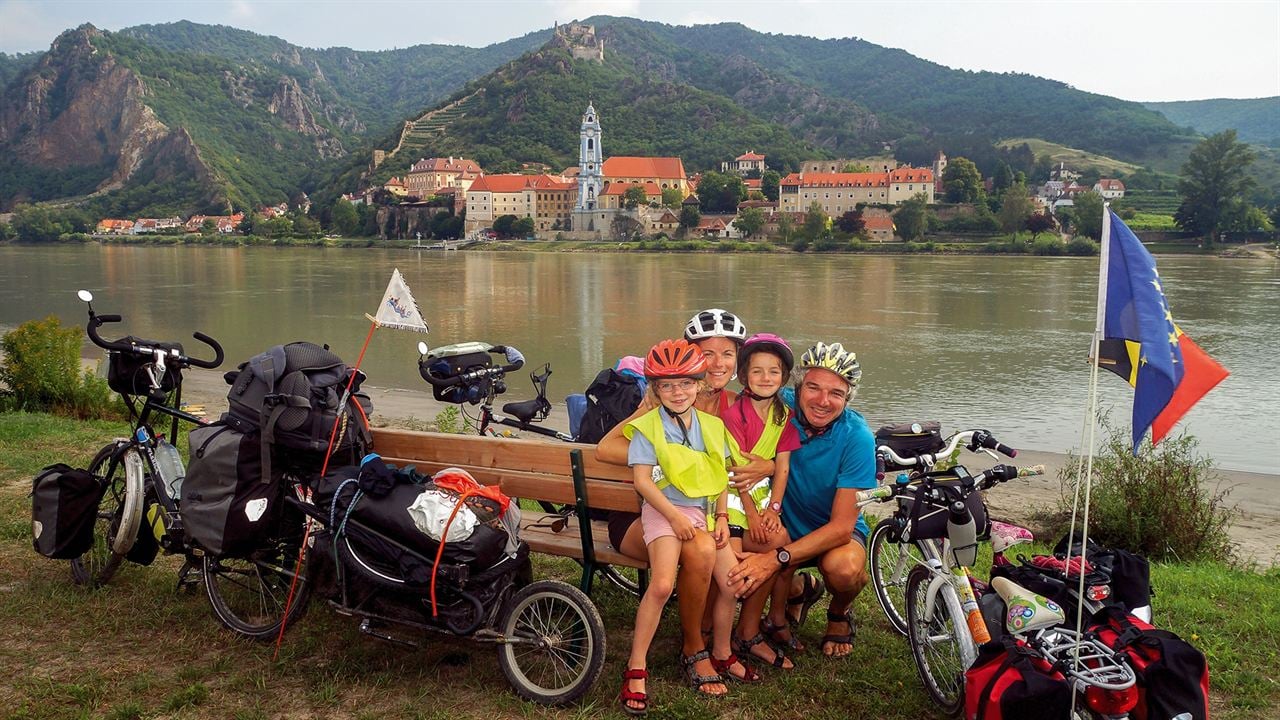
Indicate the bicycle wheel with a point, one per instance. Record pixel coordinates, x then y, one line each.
626 579
890 564
119 514
937 639
567 650
249 595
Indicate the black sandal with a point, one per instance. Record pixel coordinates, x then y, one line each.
697 681
773 634
743 648
845 639
811 594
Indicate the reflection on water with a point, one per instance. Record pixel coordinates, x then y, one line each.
998 342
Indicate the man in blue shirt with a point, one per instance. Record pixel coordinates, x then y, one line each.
836 459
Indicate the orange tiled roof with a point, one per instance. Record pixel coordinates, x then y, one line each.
620 188
655 167
910 174
749 156
753 183
1110 184
878 222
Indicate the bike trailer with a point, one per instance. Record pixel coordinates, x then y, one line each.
64 506
228 506
1173 676
1009 681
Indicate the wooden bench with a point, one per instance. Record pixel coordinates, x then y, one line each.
561 474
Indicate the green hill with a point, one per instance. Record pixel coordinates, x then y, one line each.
1255 121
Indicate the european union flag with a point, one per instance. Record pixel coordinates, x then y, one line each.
1141 342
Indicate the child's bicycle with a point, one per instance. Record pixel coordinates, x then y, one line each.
138 511
464 373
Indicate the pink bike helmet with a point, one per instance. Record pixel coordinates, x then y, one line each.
765 342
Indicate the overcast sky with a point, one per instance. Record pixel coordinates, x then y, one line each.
1131 50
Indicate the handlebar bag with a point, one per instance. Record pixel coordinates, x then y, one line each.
64 506
1009 682
126 372
912 439
228 506
932 520
1173 676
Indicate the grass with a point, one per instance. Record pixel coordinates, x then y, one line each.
140 649
1078 160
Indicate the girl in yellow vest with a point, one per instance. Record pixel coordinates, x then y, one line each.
680 458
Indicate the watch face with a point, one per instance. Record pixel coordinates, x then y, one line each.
784 557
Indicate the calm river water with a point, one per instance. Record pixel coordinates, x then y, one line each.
996 342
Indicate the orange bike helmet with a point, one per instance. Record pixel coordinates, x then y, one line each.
674 359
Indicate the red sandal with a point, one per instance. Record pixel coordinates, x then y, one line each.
749 675
629 696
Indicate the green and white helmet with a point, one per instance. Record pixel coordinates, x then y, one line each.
835 358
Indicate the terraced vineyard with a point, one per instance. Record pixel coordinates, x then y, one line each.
418 133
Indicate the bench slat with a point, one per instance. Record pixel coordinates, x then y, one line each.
603 494
510 453
568 542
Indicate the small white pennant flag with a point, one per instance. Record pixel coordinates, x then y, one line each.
398 310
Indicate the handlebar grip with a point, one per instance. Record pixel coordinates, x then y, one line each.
435 381
879 467
217 352
103 319
884 492
1033 470
1006 450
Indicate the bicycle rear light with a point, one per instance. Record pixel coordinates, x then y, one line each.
1111 702
1098 593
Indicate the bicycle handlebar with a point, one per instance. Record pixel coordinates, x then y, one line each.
974 440
983 481
132 348
515 361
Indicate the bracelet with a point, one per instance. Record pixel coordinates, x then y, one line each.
724 515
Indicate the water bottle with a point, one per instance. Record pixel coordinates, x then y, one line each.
169 465
962 531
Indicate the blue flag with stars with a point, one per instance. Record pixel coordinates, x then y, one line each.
1136 311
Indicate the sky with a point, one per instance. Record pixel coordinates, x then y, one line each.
1147 51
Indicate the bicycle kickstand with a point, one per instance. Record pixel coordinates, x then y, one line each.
186 582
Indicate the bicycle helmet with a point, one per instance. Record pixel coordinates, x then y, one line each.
835 358
767 342
674 359
715 323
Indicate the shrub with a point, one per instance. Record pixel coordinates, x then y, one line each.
1048 245
41 372
1005 246
1159 503
1082 246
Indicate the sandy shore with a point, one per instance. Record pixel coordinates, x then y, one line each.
1255 528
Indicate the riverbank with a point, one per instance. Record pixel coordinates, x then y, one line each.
1255 526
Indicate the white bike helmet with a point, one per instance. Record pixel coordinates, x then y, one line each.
715 323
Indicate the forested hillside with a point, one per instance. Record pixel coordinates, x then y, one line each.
1255 121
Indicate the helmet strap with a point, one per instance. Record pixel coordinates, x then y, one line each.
746 390
811 432
684 431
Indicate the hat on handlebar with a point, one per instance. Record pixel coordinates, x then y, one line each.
715 322
835 358
674 359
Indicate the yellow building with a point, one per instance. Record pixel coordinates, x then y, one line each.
429 175
838 193
544 198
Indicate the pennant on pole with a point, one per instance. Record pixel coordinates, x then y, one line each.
398 310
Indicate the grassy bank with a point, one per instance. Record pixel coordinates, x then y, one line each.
138 649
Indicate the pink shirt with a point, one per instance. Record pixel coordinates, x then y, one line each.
746 426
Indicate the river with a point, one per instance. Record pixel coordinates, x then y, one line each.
990 341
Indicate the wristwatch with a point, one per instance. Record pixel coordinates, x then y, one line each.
775 506
784 557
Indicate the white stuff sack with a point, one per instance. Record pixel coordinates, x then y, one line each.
431 510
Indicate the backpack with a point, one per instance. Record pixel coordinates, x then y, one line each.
229 506
611 398
64 506
1009 682
290 396
1173 676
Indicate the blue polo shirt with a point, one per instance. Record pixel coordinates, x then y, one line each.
841 457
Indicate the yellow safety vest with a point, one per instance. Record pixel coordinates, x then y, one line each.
766 447
696 474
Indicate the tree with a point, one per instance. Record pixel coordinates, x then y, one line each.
209 226
851 222
1015 208
523 227
750 221
344 218
1213 180
633 197
786 227
721 192
769 183
502 225
1087 214
1003 176
32 223
1039 223
961 181
672 197
911 219
816 222
1243 217
856 168
690 216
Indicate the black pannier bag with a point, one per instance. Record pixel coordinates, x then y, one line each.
127 373
911 439
930 517
64 506
228 507
291 395
611 398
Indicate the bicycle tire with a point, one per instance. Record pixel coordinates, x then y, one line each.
937 640
569 657
891 562
626 579
250 595
119 515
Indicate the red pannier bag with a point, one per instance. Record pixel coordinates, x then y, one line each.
1009 681
1173 676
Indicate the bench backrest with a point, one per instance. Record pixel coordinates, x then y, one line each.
530 469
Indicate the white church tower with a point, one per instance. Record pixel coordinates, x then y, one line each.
590 161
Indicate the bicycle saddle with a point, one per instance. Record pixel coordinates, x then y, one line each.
1026 611
527 411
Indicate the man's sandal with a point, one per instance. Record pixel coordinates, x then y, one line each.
725 668
743 647
812 593
628 695
835 639
696 680
773 633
